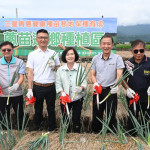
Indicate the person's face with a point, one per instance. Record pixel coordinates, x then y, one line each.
70 56
7 51
106 45
42 39
138 52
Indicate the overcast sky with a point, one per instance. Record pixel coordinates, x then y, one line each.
127 12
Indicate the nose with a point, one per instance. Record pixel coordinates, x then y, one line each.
138 52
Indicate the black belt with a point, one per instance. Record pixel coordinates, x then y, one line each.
108 87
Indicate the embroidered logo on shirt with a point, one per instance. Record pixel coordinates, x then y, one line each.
146 72
111 64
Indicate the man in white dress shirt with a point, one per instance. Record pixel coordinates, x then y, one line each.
41 64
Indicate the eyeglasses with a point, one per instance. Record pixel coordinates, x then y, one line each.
7 49
44 37
140 50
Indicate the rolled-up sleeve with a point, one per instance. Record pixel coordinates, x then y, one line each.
59 86
22 68
56 59
30 61
120 63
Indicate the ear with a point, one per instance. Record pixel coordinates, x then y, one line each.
131 50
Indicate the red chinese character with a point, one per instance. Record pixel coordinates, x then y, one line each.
100 23
63 23
56 23
21 23
78 23
70 23
35 24
14 24
42 23
49 23
28 23
85 23
92 23
7 24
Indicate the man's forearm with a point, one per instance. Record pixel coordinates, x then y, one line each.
30 78
93 76
21 78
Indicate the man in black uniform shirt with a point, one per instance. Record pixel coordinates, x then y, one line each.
138 81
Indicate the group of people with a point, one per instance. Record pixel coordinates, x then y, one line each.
106 70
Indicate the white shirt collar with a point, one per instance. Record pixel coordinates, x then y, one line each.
39 50
75 67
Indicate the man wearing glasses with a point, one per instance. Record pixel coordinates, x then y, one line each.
41 74
138 81
106 70
8 65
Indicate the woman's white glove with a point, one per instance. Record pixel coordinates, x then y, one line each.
114 90
130 93
13 88
29 94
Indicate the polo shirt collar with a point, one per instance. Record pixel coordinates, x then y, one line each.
39 50
4 62
110 56
75 67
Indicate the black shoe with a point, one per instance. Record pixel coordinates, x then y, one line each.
76 129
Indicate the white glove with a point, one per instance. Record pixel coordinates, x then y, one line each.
95 84
30 93
78 89
114 90
63 94
13 88
51 64
130 93
148 91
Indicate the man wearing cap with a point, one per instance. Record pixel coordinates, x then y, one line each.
41 65
8 66
105 72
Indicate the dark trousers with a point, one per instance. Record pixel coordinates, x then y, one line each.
76 107
110 104
141 107
49 94
16 103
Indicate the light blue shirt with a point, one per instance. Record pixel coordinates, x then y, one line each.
66 81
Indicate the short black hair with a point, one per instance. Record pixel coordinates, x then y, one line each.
107 36
64 53
137 42
41 31
6 43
